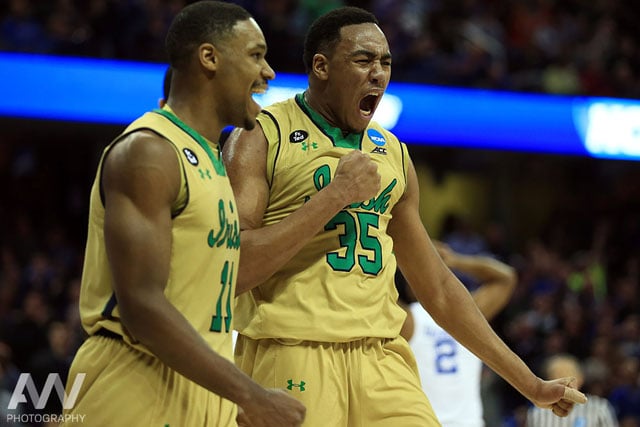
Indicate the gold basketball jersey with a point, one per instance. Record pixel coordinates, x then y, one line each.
205 242
340 286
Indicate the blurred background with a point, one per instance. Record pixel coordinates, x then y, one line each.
569 224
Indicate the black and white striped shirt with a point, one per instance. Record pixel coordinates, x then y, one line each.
597 412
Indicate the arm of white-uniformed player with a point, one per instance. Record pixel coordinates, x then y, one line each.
497 279
497 283
141 179
265 249
453 308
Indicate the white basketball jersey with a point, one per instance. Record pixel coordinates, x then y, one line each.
450 373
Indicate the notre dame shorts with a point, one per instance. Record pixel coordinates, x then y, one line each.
365 383
126 387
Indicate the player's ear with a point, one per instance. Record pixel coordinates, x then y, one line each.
209 56
320 66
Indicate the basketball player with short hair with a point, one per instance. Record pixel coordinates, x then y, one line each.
328 204
162 254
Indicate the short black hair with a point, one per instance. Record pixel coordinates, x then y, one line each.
166 83
324 33
200 22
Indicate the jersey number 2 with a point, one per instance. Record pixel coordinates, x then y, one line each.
446 349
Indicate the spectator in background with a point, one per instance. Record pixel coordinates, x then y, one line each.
597 412
283 23
27 329
597 366
461 236
21 30
8 377
55 359
625 395
556 47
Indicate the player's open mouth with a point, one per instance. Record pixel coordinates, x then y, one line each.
259 89
368 104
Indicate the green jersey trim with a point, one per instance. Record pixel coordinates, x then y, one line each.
218 166
350 140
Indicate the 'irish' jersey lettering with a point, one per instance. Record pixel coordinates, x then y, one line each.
205 242
340 285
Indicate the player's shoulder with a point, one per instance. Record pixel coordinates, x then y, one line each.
141 147
285 106
278 113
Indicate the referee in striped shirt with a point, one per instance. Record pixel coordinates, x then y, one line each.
597 412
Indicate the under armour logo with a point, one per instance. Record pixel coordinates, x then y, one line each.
306 146
291 385
204 173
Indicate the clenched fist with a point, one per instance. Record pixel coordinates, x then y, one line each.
356 178
273 408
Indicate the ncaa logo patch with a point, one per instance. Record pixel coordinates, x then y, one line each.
376 137
298 136
191 156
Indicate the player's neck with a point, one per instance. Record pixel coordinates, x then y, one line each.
198 118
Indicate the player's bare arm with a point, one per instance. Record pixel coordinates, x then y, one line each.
438 290
138 226
266 249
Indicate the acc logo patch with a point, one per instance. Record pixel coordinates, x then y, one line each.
376 137
191 156
298 136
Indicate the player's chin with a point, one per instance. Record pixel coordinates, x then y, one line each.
245 119
249 123
361 121
359 127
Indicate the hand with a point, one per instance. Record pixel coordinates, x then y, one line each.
559 395
274 408
356 178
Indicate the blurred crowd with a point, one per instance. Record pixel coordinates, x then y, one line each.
578 286
576 294
552 46
579 279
